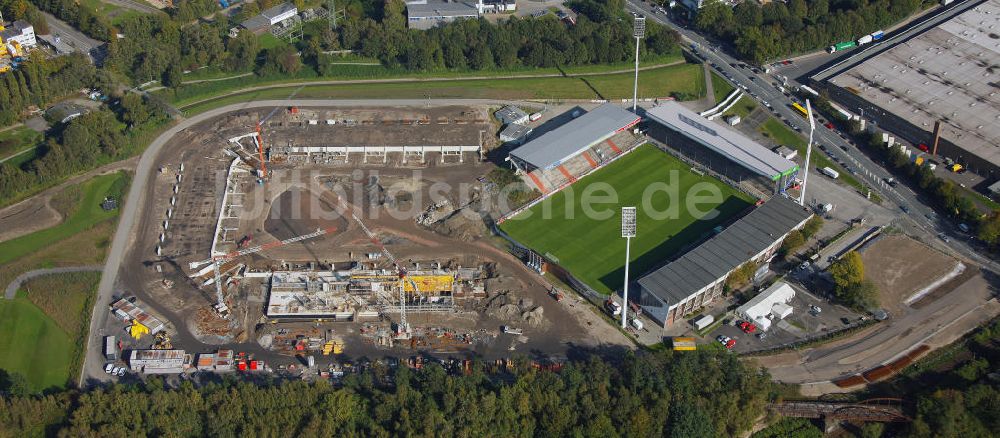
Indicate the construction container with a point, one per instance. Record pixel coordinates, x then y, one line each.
182 169
159 250
173 200
684 344
162 236
110 348
311 361
166 224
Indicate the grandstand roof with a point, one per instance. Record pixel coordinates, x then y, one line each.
723 140
687 276
569 140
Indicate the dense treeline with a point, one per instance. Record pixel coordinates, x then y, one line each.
95 138
697 394
40 81
776 29
160 47
22 10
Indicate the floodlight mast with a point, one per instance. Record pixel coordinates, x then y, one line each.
809 148
639 32
628 232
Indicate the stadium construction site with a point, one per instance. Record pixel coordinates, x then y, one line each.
275 230
371 231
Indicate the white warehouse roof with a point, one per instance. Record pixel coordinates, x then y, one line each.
569 140
759 307
723 140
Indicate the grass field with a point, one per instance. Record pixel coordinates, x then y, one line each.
18 139
658 82
743 107
720 87
85 216
593 249
32 344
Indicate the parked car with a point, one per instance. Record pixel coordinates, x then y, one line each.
747 327
944 237
761 335
109 368
829 125
804 265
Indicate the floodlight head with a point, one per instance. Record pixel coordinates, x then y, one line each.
639 26
628 221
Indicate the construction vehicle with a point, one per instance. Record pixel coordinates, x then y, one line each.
162 342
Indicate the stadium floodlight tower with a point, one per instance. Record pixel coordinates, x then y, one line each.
639 32
628 232
809 148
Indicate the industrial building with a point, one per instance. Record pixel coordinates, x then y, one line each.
221 361
270 17
768 306
514 133
20 32
423 15
696 278
511 114
572 139
158 361
726 142
130 312
946 75
361 294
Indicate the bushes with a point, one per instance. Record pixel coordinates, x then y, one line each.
852 288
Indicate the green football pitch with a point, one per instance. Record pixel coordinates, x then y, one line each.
592 248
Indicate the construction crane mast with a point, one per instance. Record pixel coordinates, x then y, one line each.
217 262
403 331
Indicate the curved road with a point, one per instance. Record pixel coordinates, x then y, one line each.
16 284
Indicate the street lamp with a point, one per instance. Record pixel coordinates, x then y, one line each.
809 148
639 32
628 232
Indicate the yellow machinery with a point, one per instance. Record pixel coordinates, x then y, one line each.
429 284
956 167
333 347
137 329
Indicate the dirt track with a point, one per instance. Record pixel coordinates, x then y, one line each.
35 213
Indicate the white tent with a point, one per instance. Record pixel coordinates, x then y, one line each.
781 310
763 323
760 306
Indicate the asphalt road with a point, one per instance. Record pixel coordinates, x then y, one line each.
958 312
12 288
92 369
75 38
921 219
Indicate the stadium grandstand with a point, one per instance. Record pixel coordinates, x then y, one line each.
722 140
563 155
696 278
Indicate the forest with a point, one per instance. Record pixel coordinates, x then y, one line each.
707 393
760 34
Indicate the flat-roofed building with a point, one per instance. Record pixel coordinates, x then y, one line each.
696 278
158 361
422 16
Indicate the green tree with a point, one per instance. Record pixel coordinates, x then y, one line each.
849 270
173 77
793 242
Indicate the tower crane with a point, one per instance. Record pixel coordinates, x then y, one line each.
218 261
403 330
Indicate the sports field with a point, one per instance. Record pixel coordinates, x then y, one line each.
593 249
33 345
